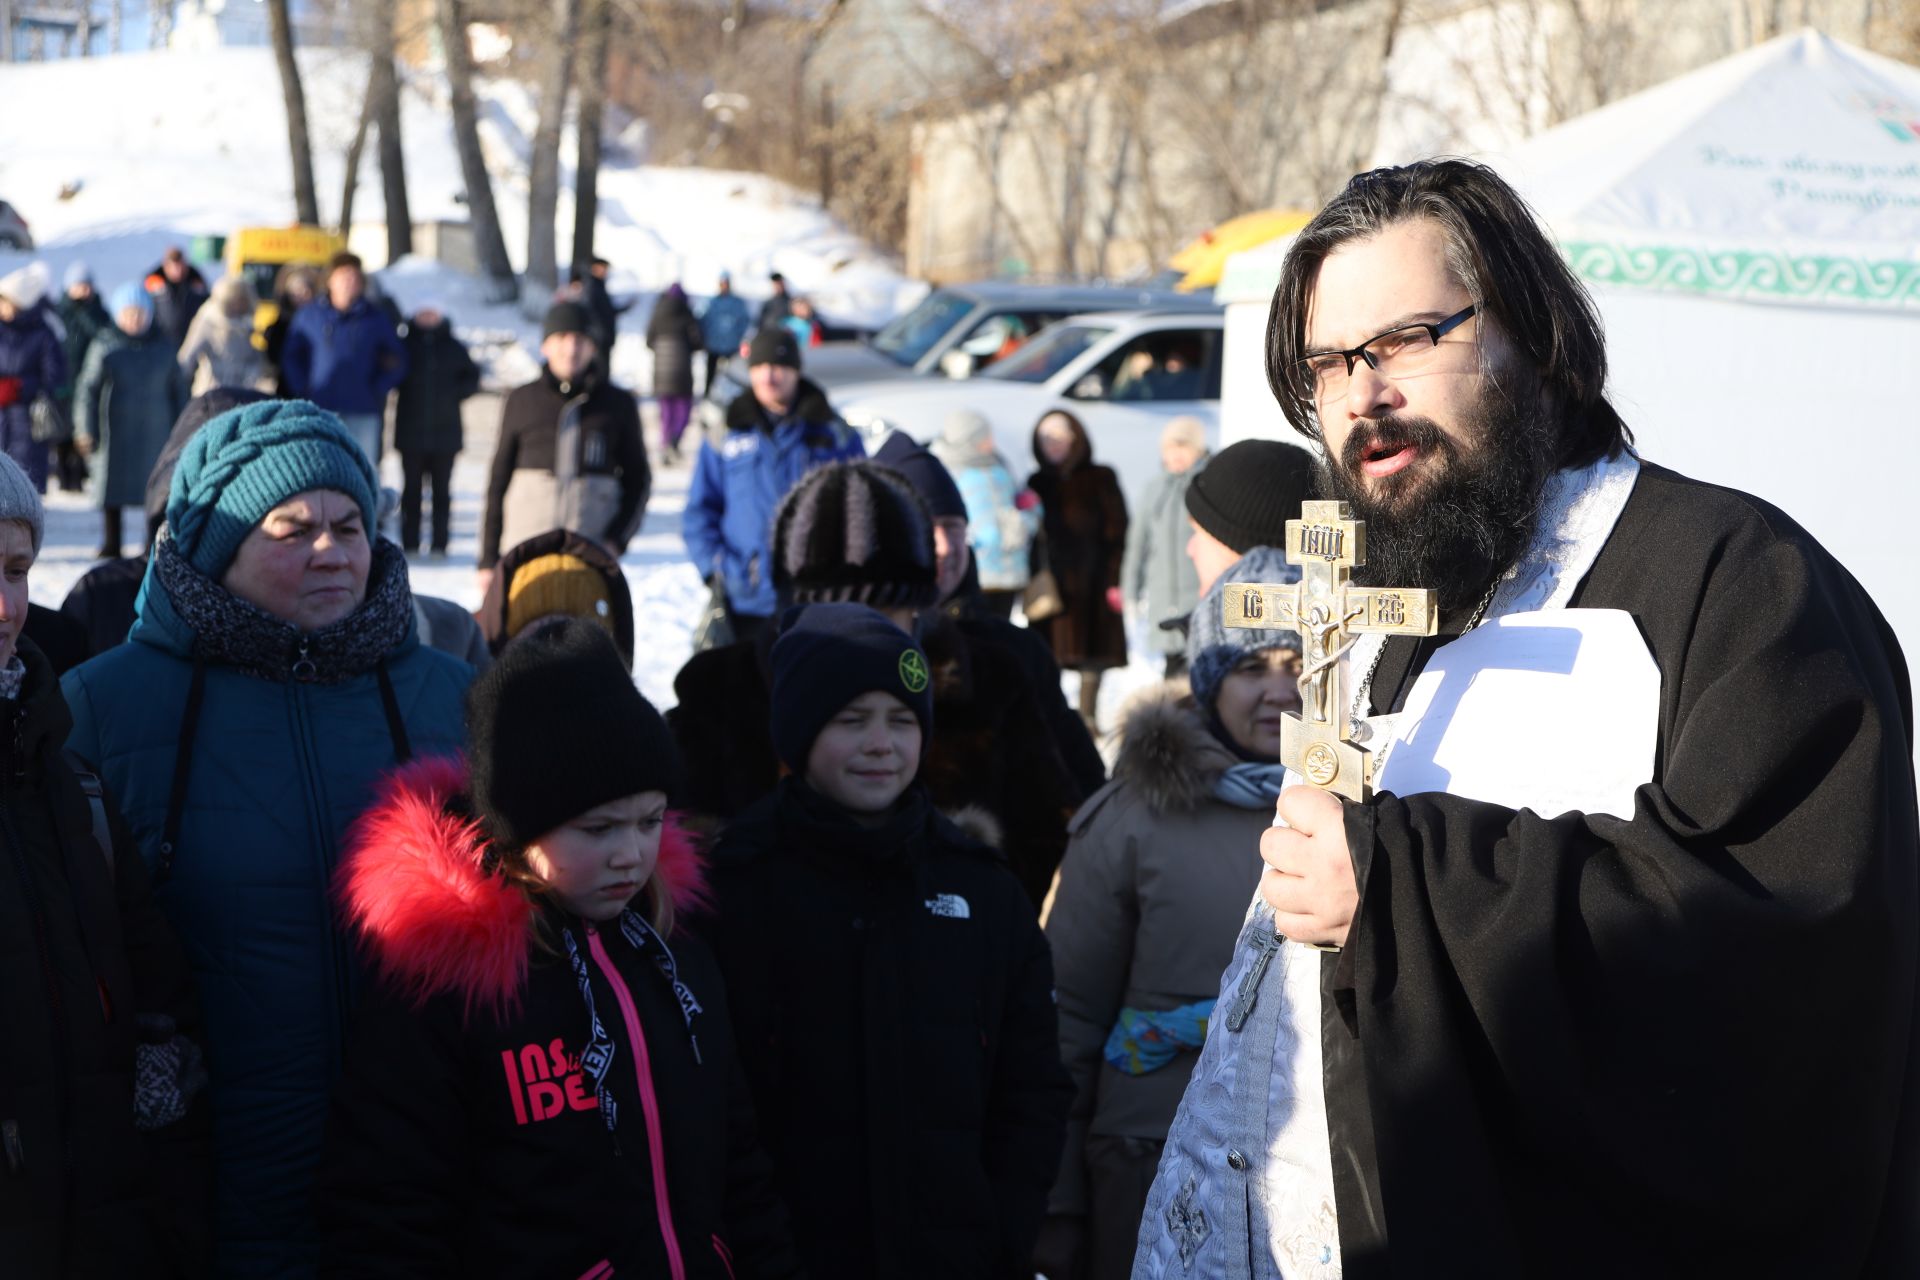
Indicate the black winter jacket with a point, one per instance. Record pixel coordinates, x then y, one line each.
610 444
893 1000
440 374
466 1139
93 987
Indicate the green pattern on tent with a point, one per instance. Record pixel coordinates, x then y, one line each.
1741 273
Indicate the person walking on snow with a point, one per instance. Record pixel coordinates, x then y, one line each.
125 402
776 432
33 363
723 326
570 454
673 335
345 355
427 428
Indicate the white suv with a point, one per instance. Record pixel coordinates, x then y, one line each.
1124 374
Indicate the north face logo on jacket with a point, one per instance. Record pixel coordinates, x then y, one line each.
950 906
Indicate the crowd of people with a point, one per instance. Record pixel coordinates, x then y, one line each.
350 934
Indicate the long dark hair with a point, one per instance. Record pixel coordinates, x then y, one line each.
1496 250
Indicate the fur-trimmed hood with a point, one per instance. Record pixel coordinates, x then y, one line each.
1167 752
431 919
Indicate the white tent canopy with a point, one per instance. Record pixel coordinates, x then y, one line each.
1751 232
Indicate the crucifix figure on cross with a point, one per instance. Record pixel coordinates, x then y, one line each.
1330 613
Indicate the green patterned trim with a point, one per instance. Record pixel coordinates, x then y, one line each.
1749 274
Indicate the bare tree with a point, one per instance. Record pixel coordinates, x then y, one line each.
596 46
488 242
350 181
306 204
543 176
383 90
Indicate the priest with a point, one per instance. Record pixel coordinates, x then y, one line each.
1627 991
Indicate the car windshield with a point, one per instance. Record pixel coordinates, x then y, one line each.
912 335
1047 354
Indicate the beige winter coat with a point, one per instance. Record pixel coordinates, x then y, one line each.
1152 892
218 350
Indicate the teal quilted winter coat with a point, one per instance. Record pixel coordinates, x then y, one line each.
278 771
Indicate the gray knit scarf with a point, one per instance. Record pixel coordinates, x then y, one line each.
12 676
232 632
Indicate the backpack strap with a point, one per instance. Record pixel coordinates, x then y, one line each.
96 793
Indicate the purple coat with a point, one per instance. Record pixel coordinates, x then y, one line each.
31 352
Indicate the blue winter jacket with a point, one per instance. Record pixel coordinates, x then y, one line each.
1000 533
739 481
343 361
723 325
279 769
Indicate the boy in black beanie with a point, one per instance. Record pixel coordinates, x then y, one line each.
891 992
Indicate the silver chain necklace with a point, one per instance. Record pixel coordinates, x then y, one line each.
1366 682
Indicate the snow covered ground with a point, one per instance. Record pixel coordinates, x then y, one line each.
156 148
160 147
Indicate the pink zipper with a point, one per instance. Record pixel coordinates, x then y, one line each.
643 1072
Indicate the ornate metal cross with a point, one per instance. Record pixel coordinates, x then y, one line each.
1329 612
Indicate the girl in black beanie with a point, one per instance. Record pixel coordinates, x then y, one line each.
543 1080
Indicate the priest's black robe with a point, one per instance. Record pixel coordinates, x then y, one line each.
1677 1045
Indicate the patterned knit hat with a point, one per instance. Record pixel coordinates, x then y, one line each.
854 531
828 655
1213 648
20 501
248 461
1249 491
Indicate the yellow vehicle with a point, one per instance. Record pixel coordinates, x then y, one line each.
259 254
1206 257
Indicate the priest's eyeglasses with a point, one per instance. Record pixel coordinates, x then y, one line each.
1395 352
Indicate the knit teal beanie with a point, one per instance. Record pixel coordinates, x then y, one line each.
248 461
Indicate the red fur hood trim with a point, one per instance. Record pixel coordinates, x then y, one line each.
431 919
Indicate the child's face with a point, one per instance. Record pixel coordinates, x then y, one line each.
867 754
596 864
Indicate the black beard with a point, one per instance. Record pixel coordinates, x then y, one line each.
1458 516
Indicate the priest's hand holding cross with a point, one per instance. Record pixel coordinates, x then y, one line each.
1309 877
1309 881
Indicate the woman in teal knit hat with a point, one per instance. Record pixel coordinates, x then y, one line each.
271 676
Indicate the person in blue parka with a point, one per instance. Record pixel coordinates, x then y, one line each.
776 432
271 677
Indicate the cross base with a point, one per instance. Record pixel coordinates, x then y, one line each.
1319 754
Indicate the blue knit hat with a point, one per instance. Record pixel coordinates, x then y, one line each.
1213 648
248 461
78 273
131 294
830 654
